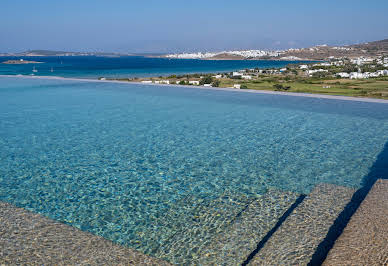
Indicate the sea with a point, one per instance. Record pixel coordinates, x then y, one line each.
127 66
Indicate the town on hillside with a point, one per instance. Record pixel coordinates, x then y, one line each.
319 52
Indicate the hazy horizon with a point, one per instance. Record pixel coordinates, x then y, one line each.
154 27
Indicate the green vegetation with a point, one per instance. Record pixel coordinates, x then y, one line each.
206 80
279 87
244 87
296 79
373 88
216 83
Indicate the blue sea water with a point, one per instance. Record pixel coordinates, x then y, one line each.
113 158
127 66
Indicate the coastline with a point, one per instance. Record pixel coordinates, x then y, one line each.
295 94
239 59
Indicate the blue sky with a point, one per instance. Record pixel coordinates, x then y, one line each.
176 26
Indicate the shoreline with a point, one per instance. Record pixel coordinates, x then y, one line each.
241 59
295 94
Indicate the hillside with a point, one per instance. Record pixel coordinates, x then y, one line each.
322 52
377 47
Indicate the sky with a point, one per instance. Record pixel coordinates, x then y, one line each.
151 26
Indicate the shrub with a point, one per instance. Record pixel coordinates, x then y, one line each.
206 80
279 87
243 87
216 83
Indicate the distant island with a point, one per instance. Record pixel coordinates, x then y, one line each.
20 62
39 53
316 53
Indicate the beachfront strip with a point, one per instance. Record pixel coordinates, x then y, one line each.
357 68
361 77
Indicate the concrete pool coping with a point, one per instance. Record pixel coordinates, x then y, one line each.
295 94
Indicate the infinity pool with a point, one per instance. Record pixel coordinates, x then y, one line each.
114 159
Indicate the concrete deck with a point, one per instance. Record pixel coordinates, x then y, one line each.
365 239
297 238
31 239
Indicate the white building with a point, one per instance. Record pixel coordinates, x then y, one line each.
361 61
290 58
338 63
311 72
146 81
207 85
246 77
303 66
194 82
383 72
244 53
162 82
371 75
217 76
343 75
237 74
237 86
356 75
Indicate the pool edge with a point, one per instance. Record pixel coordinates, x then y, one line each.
295 94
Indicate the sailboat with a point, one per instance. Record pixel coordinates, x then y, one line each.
52 70
34 69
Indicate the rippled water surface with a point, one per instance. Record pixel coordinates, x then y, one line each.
135 163
127 66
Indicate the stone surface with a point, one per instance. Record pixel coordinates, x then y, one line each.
222 230
233 245
365 239
300 234
27 238
191 228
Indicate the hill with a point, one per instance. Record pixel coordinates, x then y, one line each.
377 47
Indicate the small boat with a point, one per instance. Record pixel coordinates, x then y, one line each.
34 69
52 70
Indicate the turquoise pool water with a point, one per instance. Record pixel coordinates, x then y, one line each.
112 158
